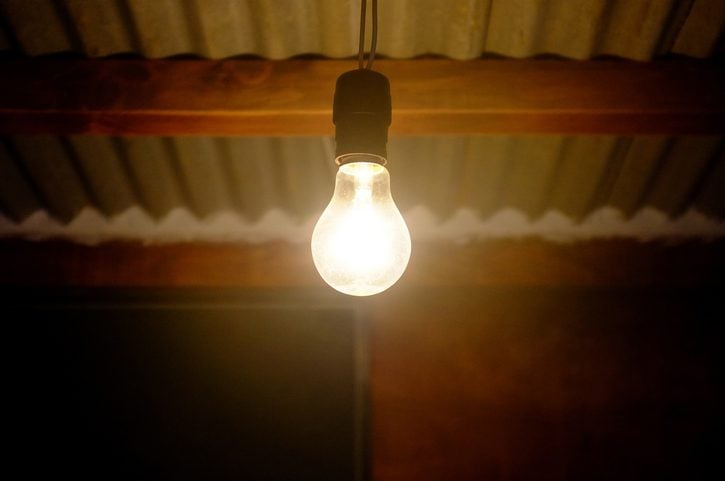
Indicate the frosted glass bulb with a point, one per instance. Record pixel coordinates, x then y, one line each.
361 245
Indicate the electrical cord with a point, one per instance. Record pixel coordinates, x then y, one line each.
374 41
361 44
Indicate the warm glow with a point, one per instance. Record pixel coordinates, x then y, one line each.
361 244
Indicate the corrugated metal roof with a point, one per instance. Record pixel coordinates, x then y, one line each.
452 185
460 29
533 176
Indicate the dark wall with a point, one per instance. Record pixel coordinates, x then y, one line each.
466 384
553 384
182 386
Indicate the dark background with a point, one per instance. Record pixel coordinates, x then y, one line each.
501 383
107 385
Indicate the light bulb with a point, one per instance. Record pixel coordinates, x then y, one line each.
361 245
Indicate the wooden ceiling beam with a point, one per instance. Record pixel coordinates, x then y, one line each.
529 262
294 97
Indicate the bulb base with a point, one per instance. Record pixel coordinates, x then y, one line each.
360 157
361 112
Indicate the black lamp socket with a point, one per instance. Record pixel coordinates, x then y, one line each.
361 112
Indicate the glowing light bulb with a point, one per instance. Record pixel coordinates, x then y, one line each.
361 245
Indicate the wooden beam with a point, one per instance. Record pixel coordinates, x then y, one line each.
280 265
294 97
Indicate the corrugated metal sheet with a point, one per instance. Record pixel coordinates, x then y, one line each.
252 176
460 29
574 177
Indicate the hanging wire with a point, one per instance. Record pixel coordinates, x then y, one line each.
374 42
361 46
